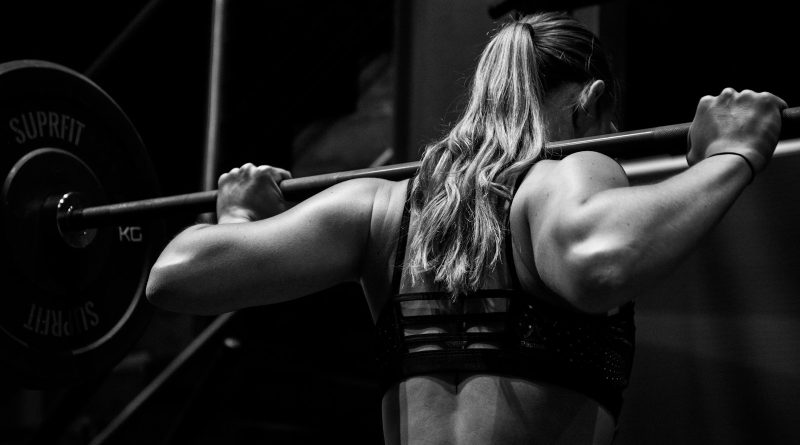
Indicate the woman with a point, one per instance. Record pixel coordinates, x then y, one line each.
501 282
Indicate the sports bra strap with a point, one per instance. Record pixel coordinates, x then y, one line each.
402 240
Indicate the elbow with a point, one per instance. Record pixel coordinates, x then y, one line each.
172 282
600 281
185 277
170 285
158 291
178 286
600 289
173 293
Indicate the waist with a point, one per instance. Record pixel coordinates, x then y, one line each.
534 341
500 409
520 364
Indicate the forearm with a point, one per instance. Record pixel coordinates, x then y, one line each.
629 238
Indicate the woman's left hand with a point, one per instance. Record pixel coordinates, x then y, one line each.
250 193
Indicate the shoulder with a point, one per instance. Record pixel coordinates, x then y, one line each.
598 167
387 207
372 201
385 219
367 192
354 194
582 172
364 188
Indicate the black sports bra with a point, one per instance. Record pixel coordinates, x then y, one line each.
501 330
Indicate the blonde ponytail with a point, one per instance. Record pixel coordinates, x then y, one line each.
465 180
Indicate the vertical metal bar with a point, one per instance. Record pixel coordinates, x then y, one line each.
213 117
402 55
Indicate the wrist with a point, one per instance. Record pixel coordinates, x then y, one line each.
234 215
232 220
741 160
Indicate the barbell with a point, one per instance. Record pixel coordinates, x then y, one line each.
81 213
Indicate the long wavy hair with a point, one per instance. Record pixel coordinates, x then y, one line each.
466 178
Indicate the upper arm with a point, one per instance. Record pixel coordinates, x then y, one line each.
561 217
598 243
314 245
557 198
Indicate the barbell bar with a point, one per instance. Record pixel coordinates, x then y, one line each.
646 141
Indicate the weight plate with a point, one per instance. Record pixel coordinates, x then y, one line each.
68 313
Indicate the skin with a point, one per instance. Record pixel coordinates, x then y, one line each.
577 228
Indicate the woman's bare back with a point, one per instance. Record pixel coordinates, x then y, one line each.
469 408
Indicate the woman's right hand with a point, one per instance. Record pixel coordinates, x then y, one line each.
250 193
747 124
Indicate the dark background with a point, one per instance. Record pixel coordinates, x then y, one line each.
320 86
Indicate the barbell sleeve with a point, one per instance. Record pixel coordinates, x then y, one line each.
668 139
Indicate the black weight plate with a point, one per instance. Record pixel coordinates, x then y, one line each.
68 314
